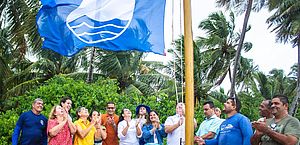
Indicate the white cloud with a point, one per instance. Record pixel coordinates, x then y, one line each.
266 53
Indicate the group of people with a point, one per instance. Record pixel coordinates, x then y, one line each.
91 128
275 127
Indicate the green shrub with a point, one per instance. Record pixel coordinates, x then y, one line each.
92 96
89 95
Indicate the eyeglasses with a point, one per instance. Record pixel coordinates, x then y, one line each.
110 107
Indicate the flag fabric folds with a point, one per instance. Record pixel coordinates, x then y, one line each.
67 26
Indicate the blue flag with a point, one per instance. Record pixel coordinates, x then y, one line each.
118 25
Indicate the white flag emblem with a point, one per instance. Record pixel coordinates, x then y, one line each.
97 21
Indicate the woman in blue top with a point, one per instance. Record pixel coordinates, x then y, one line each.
153 131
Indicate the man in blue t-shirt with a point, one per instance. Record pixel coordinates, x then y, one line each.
235 130
33 125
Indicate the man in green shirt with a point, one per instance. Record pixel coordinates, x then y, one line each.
282 129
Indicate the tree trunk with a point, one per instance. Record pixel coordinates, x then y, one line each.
239 49
295 103
89 78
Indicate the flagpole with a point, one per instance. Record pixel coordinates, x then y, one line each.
189 73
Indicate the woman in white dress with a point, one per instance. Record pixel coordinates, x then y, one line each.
129 130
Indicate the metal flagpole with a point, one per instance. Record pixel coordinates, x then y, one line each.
189 74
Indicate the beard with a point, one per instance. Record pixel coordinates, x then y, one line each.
226 111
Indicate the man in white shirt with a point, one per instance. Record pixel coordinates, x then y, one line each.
175 126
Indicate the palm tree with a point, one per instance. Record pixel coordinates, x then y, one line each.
214 53
285 23
18 22
237 3
19 17
276 82
28 75
220 45
91 66
176 69
262 86
6 57
282 84
132 74
245 75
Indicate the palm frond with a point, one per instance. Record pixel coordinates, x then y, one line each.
23 87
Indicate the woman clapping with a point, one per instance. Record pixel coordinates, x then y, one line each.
129 130
86 130
59 127
153 131
100 128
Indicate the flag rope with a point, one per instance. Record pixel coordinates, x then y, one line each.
178 55
181 62
174 55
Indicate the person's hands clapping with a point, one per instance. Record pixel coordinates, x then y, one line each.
180 122
93 121
65 115
110 121
157 123
260 126
199 140
127 119
99 118
138 121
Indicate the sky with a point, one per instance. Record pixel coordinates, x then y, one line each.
266 53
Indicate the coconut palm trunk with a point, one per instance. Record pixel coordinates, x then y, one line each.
295 103
89 78
240 46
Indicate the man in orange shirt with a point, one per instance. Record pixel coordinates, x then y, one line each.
110 121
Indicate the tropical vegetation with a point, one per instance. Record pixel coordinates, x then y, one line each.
95 76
